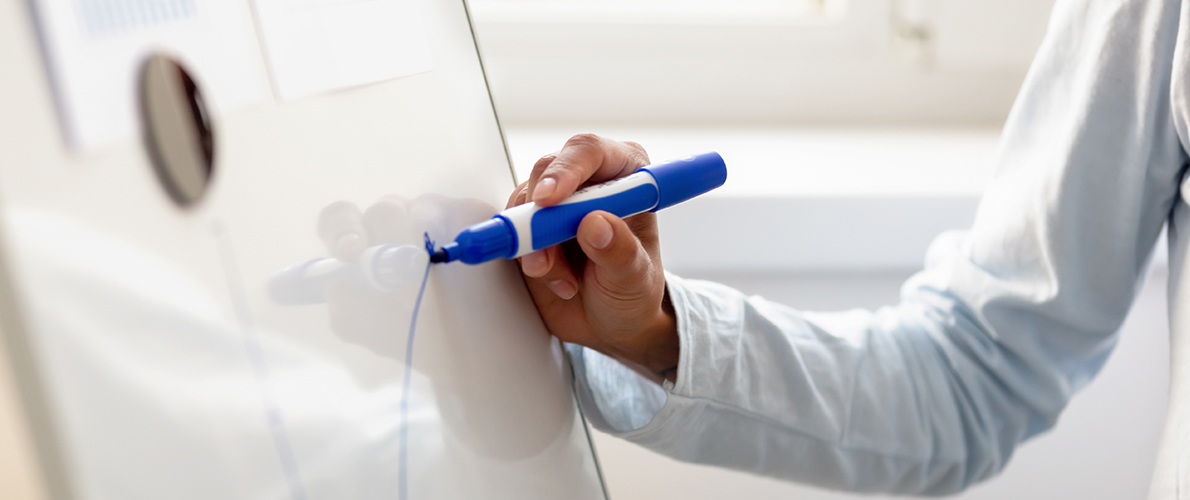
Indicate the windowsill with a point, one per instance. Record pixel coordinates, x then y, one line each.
808 199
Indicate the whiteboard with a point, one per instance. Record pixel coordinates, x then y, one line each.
155 363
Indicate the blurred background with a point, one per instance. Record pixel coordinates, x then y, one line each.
855 131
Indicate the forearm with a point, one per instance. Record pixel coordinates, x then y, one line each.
991 341
857 401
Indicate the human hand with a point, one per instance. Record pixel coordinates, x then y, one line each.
606 288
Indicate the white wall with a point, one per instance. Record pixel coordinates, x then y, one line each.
857 69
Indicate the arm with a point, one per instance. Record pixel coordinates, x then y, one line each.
989 342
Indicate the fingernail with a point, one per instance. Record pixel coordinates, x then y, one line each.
600 235
544 189
349 244
534 264
563 288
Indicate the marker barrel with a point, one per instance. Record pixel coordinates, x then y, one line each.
525 228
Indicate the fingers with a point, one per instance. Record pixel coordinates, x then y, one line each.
549 267
524 193
610 244
585 158
537 263
519 195
341 229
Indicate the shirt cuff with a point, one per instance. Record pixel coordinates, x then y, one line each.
615 398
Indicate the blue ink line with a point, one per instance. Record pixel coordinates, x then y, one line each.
252 347
403 458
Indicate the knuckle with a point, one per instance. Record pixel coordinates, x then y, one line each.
636 154
543 163
585 139
568 175
582 155
636 148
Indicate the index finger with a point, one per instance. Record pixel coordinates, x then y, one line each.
584 158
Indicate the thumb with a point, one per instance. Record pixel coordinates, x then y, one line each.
610 244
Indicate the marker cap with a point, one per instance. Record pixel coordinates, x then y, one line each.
684 178
483 242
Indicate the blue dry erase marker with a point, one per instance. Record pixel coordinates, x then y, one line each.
525 228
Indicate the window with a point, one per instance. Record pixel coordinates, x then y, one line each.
693 62
659 11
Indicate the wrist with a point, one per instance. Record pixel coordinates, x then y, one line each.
657 346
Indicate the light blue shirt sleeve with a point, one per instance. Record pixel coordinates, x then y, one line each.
988 343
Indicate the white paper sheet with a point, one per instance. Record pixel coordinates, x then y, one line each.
94 49
315 46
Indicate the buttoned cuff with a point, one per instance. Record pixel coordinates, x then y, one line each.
615 398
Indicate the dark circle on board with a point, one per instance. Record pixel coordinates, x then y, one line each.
176 128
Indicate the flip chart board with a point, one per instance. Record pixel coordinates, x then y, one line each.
155 360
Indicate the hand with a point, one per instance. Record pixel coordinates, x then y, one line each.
495 372
605 289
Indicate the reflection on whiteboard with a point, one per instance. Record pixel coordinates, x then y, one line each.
316 46
94 49
161 393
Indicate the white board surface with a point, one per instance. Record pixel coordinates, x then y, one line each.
318 45
93 49
168 371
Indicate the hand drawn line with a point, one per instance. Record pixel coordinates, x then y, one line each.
403 458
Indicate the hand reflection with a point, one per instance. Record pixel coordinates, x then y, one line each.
497 376
376 317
